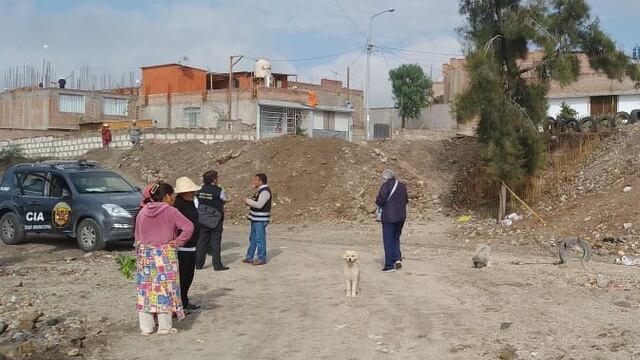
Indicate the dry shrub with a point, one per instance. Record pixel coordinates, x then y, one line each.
476 188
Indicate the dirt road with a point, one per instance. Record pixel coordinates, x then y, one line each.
438 307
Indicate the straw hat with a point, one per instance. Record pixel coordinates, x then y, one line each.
105 125
185 185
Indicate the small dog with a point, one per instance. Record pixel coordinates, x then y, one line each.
351 272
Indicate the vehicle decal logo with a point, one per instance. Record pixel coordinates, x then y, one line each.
61 214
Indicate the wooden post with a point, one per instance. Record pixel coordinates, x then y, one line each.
503 202
230 87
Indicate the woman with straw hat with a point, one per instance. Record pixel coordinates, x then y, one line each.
186 190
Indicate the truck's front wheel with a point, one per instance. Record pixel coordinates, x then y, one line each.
89 236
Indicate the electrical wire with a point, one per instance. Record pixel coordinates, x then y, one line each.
346 13
357 58
310 58
417 51
418 61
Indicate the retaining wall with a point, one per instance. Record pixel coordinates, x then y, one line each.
78 145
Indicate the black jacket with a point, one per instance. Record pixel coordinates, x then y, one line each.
189 210
394 208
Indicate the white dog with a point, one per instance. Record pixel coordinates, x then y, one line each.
351 272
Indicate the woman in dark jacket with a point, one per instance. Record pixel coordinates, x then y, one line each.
186 190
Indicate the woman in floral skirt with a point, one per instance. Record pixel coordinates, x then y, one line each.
159 230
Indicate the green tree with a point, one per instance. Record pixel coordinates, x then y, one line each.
567 112
508 94
411 90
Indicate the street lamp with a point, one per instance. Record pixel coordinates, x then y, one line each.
368 70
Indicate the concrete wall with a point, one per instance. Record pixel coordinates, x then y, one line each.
168 110
436 117
24 109
581 104
628 103
78 145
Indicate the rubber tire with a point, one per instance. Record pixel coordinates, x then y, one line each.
568 244
18 229
550 125
634 117
99 243
587 121
605 122
621 118
571 126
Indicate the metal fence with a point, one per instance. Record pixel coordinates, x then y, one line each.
381 131
276 121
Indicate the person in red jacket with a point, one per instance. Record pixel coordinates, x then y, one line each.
106 135
160 229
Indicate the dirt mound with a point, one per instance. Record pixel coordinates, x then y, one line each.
590 190
312 179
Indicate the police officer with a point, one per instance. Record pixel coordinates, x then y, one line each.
211 200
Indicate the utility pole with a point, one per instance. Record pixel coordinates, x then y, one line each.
348 85
368 71
233 60
44 61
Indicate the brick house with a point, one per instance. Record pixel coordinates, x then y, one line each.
35 110
593 94
179 96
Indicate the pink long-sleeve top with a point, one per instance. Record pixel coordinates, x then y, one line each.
158 223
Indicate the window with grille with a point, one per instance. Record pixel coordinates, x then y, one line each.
192 117
71 103
115 107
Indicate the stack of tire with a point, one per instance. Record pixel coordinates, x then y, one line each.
592 124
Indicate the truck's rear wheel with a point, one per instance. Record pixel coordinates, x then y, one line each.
89 236
11 230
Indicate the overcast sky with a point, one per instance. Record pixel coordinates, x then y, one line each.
118 36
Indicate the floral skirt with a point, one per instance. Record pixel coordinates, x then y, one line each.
158 280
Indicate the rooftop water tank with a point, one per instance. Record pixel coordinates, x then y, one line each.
262 68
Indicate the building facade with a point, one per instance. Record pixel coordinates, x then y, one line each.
593 94
185 97
55 109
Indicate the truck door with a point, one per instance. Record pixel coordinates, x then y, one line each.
58 196
32 201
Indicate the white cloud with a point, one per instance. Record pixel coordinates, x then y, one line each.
120 38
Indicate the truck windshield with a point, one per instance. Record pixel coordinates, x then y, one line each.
100 183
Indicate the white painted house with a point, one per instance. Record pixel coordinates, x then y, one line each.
594 94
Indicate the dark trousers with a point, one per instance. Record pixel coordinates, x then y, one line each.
210 239
187 264
391 239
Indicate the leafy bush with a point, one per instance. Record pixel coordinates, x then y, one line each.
127 265
300 130
10 152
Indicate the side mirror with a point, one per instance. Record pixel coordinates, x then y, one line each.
66 194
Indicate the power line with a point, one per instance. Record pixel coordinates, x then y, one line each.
417 51
418 61
346 13
311 58
357 58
